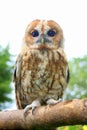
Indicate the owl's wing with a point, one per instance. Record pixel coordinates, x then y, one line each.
67 72
17 71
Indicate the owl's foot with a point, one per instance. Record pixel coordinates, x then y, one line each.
53 101
32 106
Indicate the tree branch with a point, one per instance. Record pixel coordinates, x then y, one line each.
70 112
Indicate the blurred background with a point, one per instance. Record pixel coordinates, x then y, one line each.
15 15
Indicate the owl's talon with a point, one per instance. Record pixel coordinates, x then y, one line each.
26 109
53 101
32 106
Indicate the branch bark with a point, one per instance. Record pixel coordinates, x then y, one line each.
70 112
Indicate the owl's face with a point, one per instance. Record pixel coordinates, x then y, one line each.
43 34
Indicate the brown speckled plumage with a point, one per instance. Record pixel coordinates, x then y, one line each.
41 70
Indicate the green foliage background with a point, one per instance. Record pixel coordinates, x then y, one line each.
5 76
78 78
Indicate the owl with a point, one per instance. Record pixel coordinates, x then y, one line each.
41 72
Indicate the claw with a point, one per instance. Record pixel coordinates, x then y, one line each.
32 106
53 101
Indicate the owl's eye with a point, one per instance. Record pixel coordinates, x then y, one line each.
35 33
51 33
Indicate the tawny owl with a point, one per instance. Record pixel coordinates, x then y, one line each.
41 71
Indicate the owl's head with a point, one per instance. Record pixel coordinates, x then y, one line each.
41 34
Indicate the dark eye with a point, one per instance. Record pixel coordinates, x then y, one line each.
51 33
35 33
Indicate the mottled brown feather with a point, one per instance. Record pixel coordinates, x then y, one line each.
41 70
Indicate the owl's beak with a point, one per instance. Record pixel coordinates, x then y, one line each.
42 40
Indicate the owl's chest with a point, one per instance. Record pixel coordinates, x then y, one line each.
41 72
40 65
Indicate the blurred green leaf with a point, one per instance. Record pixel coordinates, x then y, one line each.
77 127
5 75
84 127
78 78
